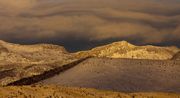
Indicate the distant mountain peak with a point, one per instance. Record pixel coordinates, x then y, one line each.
123 49
122 43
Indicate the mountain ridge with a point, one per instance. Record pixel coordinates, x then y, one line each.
120 49
21 61
123 49
28 53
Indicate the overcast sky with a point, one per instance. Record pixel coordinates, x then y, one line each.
83 24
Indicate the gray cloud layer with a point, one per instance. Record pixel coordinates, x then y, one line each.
152 21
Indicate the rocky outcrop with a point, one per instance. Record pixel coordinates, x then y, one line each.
124 49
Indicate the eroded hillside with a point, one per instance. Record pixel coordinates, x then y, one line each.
124 49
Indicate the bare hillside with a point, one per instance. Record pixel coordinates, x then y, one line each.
122 75
124 49
39 53
20 61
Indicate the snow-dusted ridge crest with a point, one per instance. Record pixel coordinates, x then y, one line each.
123 49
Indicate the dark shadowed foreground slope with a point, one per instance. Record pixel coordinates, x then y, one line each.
122 75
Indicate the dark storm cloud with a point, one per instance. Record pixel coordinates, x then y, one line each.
73 21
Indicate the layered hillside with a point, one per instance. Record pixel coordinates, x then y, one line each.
124 49
20 61
67 92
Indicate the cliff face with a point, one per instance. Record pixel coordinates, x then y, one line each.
124 49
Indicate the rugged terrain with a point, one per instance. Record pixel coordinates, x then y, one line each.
119 66
124 49
67 92
20 61
33 54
